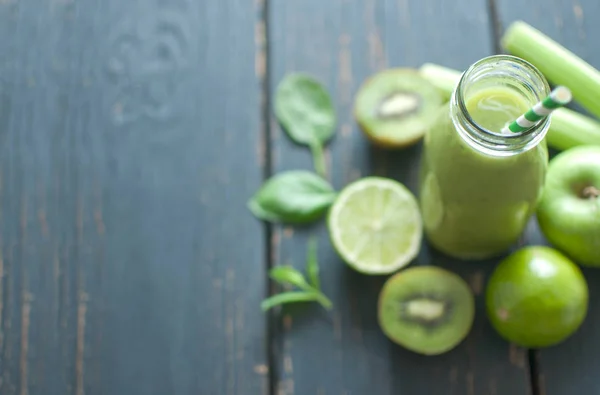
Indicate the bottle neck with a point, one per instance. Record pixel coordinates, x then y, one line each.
508 72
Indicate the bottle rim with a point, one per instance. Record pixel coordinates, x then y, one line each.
503 142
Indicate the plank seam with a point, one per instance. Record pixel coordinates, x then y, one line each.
534 376
265 82
495 25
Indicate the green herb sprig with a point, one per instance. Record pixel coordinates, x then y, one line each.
309 290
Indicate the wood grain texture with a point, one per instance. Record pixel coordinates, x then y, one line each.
129 144
342 42
570 367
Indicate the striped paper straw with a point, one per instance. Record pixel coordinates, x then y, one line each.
559 97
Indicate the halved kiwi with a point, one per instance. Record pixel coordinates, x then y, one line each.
426 309
395 107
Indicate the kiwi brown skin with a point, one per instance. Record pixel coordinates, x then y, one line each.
448 338
387 142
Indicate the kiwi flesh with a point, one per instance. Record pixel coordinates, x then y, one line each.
426 309
395 107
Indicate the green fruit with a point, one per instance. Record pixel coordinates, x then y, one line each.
426 309
395 107
375 225
569 209
536 297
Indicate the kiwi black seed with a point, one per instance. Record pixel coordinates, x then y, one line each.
396 106
426 309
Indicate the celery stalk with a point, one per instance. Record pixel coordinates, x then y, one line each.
443 78
567 127
558 64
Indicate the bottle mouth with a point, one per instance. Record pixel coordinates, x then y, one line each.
511 72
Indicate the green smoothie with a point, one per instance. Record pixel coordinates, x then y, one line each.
494 108
476 204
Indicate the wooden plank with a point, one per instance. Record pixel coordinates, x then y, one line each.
38 234
570 367
342 42
130 142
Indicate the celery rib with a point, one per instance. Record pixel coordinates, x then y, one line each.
567 127
558 64
443 78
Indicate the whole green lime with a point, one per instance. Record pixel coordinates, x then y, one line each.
536 297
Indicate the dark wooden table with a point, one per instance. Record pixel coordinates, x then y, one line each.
132 133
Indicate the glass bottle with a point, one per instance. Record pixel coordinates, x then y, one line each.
478 186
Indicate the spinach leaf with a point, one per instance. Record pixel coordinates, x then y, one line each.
295 196
306 112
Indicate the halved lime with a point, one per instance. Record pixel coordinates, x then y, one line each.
375 225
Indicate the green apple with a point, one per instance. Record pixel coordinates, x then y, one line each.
569 209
